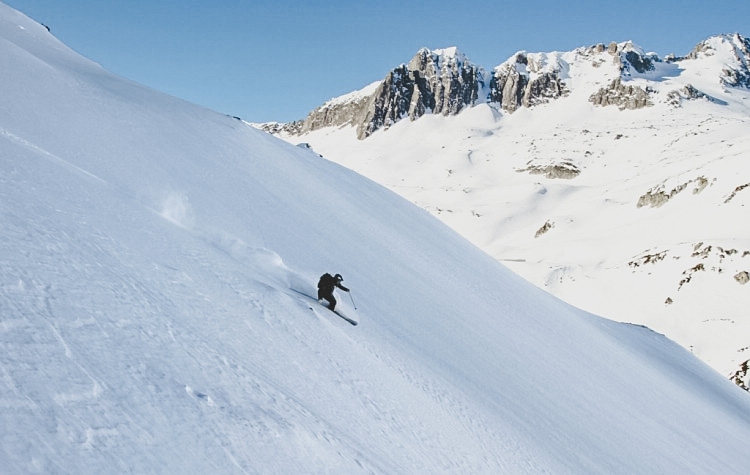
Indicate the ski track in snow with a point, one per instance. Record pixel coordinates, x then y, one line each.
24 143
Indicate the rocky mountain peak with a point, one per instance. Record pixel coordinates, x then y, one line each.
526 80
632 57
734 52
447 59
440 82
445 81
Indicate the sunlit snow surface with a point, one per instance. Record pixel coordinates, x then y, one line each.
670 267
149 257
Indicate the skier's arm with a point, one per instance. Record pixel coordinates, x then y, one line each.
342 287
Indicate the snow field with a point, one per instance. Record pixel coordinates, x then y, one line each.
148 321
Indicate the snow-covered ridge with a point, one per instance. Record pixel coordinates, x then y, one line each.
450 53
447 58
441 81
353 96
731 53
528 79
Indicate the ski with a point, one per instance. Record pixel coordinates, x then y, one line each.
350 320
340 315
353 322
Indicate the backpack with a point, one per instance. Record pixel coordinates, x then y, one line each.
325 280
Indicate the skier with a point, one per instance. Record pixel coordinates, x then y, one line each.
326 285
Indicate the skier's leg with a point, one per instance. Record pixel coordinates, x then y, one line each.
327 297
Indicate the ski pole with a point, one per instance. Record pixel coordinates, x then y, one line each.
350 296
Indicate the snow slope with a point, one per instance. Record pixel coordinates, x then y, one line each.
149 321
590 239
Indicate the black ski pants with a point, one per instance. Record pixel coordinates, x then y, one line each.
327 295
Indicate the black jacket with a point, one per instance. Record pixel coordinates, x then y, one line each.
327 283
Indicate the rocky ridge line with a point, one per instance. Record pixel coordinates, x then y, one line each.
446 82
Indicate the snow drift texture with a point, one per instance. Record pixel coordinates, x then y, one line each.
148 322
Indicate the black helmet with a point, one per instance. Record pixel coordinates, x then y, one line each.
338 277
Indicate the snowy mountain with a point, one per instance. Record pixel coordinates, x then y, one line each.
438 82
446 82
608 176
151 321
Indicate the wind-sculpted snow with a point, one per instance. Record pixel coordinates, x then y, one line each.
149 322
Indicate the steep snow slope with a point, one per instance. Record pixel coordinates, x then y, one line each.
149 323
637 215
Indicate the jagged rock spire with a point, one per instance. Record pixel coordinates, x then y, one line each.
440 82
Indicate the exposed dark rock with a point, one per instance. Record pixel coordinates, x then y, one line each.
431 82
736 190
445 82
640 62
618 93
292 128
336 115
440 82
741 377
512 84
622 95
654 199
737 76
565 170
657 196
648 259
689 274
546 227
689 93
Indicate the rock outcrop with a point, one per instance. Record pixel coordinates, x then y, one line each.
741 377
446 82
736 74
335 114
524 81
624 96
690 93
564 169
437 82
658 196
440 82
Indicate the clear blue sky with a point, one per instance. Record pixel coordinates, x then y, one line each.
278 59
